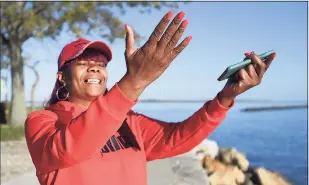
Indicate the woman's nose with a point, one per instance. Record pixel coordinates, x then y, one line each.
93 68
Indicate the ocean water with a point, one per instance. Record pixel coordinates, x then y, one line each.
276 140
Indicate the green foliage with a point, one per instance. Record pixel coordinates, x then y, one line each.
23 20
10 132
46 19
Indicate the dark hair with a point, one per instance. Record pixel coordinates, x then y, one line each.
88 54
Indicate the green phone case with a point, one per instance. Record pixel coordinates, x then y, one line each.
229 71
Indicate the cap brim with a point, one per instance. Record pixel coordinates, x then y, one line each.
99 45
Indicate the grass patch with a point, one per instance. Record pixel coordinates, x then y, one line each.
10 132
14 132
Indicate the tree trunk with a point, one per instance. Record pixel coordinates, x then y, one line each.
36 82
33 107
4 104
18 113
6 99
6 96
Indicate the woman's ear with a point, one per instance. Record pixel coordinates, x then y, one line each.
60 77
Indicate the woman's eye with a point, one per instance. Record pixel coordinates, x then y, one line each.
102 64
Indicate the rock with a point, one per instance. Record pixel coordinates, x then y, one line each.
241 161
226 155
221 174
231 156
209 147
211 165
239 175
227 176
253 176
231 167
221 178
267 177
248 181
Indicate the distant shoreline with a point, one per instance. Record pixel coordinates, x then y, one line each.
249 109
199 101
297 102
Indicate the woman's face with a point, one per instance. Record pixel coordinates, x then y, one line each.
85 79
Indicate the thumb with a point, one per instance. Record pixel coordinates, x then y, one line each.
130 48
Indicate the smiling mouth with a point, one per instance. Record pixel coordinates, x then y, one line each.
92 81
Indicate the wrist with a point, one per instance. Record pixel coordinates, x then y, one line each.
134 83
224 100
131 88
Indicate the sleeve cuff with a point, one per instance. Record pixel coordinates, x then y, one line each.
215 109
124 97
119 104
221 106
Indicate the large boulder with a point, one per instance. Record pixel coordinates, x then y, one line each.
231 167
220 174
227 176
208 147
266 177
211 165
248 181
241 161
230 156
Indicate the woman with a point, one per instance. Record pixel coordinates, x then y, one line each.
88 135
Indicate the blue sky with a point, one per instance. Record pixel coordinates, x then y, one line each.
222 32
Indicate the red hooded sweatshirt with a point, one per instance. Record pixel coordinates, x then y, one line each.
108 143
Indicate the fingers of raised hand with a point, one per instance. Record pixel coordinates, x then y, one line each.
180 48
130 43
177 35
158 31
243 75
168 34
255 79
269 60
258 64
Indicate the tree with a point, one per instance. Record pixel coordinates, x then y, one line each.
4 84
21 21
35 83
4 62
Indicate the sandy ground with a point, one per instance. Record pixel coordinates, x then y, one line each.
17 168
159 173
15 160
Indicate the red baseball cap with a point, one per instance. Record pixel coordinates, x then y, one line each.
77 47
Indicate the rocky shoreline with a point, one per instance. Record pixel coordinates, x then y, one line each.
230 167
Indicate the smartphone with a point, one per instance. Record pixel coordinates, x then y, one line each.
229 71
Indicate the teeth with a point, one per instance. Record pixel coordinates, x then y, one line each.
93 81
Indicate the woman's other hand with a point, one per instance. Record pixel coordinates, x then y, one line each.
245 78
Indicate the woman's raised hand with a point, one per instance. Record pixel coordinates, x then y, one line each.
146 64
152 59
